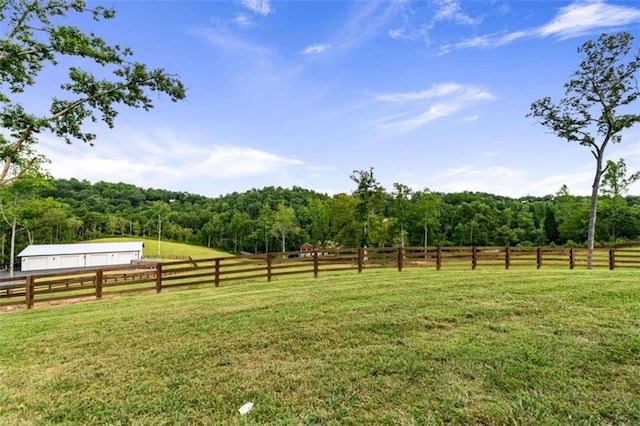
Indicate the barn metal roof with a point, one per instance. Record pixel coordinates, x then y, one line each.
86 248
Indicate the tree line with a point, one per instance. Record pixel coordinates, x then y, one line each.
274 219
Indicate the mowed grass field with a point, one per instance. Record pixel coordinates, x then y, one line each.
167 248
416 347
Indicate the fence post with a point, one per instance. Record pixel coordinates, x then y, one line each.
268 267
612 259
438 258
99 284
507 257
28 291
474 257
360 259
158 277
315 263
400 258
216 273
572 258
539 258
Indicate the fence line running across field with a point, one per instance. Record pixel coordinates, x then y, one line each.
156 276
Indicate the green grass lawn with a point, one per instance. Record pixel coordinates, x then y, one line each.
417 347
167 248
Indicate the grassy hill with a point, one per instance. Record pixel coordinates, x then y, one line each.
167 248
382 347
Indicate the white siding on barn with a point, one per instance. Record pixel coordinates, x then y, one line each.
58 256
126 257
54 262
72 261
35 263
97 259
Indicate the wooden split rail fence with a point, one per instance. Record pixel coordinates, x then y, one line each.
156 276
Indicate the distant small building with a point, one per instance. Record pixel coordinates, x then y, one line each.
306 248
40 257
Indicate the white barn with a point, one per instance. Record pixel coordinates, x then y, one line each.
59 256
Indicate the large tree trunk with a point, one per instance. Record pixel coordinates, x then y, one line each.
591 234
12 255
426 239
426 234
284 245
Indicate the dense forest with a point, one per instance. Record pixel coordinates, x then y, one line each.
270 219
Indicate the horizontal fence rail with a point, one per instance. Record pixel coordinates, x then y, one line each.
154 276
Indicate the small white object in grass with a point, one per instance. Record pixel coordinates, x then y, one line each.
245 408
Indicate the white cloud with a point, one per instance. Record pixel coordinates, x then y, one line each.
434 112
450 10
396 34
584 17
230 42
233 161
259 7
419 108
159 158
447 11
315 49
259 64
486 41
495 179
366 21
491 40
577 179
507 181
243 20
577 19
436 90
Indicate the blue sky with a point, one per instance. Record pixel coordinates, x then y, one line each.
432 94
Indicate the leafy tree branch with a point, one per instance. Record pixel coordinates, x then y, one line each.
35 38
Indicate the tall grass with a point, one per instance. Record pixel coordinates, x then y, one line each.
382 347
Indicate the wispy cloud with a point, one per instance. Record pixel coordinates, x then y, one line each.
259 7
234 161
243 20
486 41
583 17
367 20
502 180
396 33
315 49
415 109
160 156
256 65
507 181
435 91
577 179
228 41
440 11
450 10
